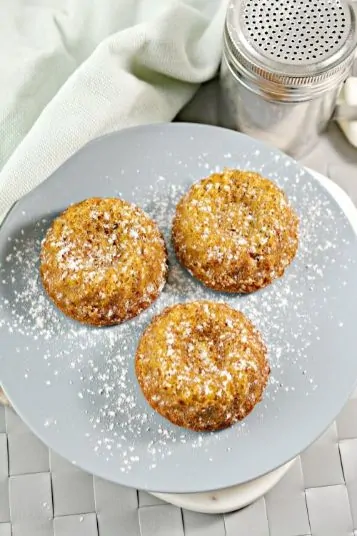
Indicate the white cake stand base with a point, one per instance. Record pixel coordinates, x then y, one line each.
236 497
228 499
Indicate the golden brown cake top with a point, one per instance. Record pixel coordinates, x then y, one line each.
234 228
202 354
103 260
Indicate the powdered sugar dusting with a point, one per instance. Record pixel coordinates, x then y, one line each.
97 364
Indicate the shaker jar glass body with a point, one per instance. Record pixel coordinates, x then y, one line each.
293 127
283 66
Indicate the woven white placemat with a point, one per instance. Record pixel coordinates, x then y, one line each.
43 495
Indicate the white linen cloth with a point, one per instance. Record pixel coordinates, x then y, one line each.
72 70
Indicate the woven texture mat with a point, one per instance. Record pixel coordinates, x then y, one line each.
43 495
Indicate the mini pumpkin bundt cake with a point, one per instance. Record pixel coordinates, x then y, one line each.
235 231
103 261
202 365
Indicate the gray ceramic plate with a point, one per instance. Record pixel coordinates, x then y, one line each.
76 386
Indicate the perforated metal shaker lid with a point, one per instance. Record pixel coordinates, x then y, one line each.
292 42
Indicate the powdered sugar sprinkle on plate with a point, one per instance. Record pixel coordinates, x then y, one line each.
98 363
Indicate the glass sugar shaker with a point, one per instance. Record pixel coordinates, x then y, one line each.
283 66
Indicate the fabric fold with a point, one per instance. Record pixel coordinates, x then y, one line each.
75 72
